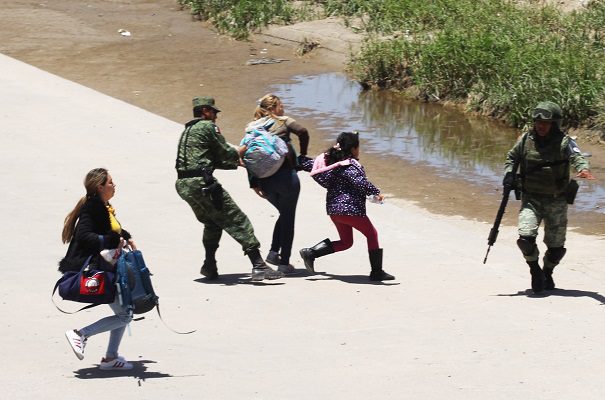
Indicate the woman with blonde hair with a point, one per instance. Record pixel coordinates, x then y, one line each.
90 228
282 188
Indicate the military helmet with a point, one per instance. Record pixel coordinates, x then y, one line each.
547 111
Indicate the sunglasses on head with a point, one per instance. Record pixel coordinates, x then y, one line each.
540 113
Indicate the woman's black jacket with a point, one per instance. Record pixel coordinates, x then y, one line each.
92 234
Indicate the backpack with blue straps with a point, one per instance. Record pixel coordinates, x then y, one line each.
134 289
265 152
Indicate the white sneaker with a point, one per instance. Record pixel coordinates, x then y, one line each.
119 363
273 258
286 269
76 342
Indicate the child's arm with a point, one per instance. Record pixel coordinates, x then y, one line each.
357 177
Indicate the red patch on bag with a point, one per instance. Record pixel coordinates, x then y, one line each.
93 285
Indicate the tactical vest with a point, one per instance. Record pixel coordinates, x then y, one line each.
545 166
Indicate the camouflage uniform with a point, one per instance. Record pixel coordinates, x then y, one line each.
544 166
201 150
203 146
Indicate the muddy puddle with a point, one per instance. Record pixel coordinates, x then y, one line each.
448 144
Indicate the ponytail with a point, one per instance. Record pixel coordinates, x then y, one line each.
343 149
69 224
94 178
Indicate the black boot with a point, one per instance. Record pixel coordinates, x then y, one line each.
537 276
377 273
309 255
209 269
551 259
549 283
260 270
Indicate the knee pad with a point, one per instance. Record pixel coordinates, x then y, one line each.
555 254
527 244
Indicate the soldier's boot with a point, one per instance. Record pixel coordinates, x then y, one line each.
552 257
260 270
378 273
528 247
209 268
309 254
537 276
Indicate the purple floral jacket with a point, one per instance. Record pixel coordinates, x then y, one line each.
347 187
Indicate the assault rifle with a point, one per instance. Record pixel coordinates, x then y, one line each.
512 186
493 233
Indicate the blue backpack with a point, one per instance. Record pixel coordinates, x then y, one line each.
134 289
265 152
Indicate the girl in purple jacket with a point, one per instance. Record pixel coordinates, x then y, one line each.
339 171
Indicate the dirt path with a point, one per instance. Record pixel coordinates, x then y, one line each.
169 58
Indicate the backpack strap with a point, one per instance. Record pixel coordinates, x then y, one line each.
166 325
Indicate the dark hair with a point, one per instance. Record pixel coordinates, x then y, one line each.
342 150
197 112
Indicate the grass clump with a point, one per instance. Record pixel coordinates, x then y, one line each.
240 17
498 57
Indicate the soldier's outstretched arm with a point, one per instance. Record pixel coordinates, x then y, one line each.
578 161
227 155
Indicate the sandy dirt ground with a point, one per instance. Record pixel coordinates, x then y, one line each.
448 327
170 57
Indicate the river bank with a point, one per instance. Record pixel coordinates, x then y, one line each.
170 57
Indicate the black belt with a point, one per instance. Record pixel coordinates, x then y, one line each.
189 174
547 195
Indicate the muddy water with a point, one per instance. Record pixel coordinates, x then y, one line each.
452 145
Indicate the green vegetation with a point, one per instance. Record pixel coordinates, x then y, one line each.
240 17
499 57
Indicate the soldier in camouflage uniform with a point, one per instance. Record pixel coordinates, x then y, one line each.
201 150
539 164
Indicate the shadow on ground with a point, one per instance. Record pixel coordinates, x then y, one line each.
139 372
238 279
354 279
558 292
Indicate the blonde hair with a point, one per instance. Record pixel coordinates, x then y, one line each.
93 179
266 104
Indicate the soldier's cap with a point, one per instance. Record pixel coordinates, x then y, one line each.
205 102
547 111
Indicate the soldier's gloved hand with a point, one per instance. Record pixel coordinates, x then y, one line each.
509 181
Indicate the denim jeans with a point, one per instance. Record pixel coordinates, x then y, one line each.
116 324
282 190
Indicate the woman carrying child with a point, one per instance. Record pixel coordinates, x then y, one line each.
339 171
